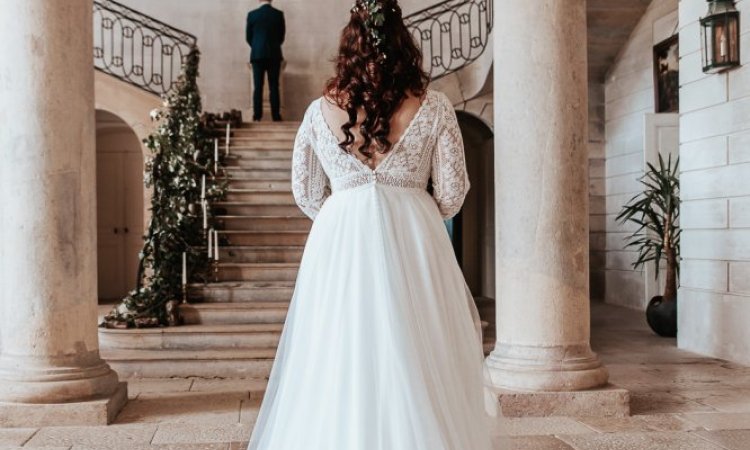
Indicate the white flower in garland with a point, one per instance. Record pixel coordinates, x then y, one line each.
155 114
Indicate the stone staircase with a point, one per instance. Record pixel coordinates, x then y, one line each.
232 325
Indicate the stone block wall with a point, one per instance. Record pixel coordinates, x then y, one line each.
714 297
628 97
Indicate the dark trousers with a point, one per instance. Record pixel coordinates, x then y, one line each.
260 68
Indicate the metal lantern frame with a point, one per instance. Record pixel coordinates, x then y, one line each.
720 36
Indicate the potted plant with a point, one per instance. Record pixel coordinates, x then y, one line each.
656 212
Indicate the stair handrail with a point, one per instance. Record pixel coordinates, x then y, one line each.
138 49
462 28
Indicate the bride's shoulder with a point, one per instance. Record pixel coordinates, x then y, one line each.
439 97
313 107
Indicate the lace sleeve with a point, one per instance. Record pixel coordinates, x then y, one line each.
310 184
450 180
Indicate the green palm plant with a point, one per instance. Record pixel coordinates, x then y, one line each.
656 211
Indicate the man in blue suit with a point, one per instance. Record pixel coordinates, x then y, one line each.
264 33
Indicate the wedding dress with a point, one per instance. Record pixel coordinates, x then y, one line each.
381 349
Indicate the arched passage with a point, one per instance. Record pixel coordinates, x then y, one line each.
120 205
474 227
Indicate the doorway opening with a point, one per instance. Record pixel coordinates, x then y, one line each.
120 210
473 229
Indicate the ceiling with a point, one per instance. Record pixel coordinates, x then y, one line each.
610 23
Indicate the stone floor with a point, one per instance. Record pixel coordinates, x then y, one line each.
680 401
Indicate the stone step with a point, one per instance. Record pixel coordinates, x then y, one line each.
278 134
193 337
247 238
258 271
241 173
241 292
259 140
262 254
259 197
274 135
234 313
233 162
267 126
261 185
250 209
264 223
224 363
245 153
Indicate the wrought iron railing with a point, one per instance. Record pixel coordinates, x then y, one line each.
138 49
452 34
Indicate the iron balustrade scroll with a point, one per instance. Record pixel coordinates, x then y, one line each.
452 34
138 49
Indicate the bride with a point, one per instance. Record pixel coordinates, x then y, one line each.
381 349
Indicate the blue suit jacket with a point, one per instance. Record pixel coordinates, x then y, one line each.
265 32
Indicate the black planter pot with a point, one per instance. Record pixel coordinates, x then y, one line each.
662 316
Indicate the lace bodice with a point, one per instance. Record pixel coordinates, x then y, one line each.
430 147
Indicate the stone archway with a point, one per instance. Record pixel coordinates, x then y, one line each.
132 105
474 227
120 205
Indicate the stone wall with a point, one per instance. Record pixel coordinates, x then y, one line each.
714 297
628 97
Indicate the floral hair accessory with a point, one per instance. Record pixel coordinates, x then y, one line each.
374 20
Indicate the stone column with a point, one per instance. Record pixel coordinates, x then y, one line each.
50 369
541 196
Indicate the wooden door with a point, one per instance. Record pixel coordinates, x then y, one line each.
132 217
120 190
110 219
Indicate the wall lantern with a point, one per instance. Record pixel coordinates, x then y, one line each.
720 36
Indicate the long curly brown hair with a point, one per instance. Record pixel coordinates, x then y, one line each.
375 77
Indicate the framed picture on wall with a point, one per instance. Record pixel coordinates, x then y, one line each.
667 75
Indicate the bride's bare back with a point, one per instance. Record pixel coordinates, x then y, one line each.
335 117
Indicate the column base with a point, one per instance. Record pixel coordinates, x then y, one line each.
545 369
66 379
97 411
608 401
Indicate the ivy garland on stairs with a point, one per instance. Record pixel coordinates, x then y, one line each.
183 152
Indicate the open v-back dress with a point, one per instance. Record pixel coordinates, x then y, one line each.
381 349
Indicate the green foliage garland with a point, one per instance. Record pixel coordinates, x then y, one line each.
183 152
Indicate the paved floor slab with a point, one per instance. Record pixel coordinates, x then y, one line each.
656 422
720 421
530 443
540 426
100 437
193 407
15 436
253 387
174 433
640 441
218 446
729 439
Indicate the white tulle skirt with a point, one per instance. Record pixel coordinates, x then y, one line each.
381 349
